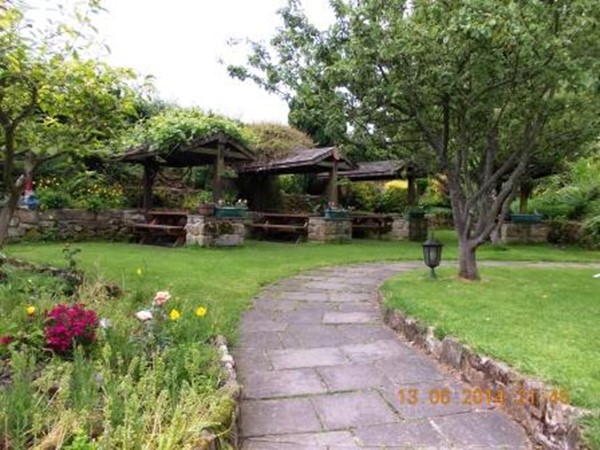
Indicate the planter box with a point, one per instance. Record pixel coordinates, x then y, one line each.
232 212
416 214
337 214
206 209
526 218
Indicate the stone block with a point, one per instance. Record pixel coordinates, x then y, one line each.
451 353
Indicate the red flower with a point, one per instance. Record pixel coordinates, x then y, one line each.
6 339
69 325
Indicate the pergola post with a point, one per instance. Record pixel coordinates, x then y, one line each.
333 183
412 188
150 171
219 169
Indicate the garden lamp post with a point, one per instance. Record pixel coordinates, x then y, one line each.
432 254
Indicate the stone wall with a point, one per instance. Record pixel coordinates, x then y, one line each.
321 229
73 224
540 409
214 232
524 233
400 228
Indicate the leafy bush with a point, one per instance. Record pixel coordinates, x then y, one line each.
54 199
178 126
86 190
272 140
394 199
363 196
435 194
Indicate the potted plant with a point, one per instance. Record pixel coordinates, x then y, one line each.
526 218
239 209
206 207
335 212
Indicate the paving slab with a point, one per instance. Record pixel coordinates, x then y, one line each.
262 417
353 376
338 440
405 435
313 357
283 383
320 370
353 409
338 318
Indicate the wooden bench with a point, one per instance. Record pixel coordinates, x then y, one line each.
292 223
161 226
380 223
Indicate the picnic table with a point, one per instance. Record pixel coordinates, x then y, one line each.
293 223
162 226
366 222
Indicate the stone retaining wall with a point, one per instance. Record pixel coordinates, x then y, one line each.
321 229
214 232
524 233
550 422
75 224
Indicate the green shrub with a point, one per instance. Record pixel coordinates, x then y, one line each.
394 200
54 199
363 196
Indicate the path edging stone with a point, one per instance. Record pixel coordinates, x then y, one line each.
233 389
553 425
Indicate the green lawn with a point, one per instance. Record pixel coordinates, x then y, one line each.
227 279
544 322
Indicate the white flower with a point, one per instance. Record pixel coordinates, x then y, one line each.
597 275
161 298
144 315
105 324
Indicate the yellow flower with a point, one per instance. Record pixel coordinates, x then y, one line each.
139 271
174 314
30 310
201 311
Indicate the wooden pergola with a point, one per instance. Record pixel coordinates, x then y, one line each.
328 161
216 150
386 170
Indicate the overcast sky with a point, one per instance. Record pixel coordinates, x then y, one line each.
180 42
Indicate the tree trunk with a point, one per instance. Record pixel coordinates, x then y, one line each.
468 260
6 214
524 194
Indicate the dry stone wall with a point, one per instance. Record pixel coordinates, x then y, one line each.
74 224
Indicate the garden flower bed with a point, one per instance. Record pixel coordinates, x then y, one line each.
88 370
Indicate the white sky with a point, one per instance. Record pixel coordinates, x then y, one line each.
180 43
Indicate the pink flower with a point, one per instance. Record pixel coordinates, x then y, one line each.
144 315
161 298
6 339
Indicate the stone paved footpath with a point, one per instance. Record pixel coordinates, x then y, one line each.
320 370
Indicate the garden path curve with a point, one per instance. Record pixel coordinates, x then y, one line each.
320 370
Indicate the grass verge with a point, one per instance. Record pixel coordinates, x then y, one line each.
542 321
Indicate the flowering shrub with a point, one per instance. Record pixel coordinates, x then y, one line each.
68 326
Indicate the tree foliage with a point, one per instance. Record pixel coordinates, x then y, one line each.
272 140
52 100
471 89
176 126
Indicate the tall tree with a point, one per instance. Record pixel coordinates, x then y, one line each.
477 81
52 100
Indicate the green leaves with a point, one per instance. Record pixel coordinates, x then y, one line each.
178 126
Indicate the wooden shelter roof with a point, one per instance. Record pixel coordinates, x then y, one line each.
314 160
377 170
199 152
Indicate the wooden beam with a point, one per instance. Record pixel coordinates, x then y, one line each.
412 189
150 171
333 183
219 169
